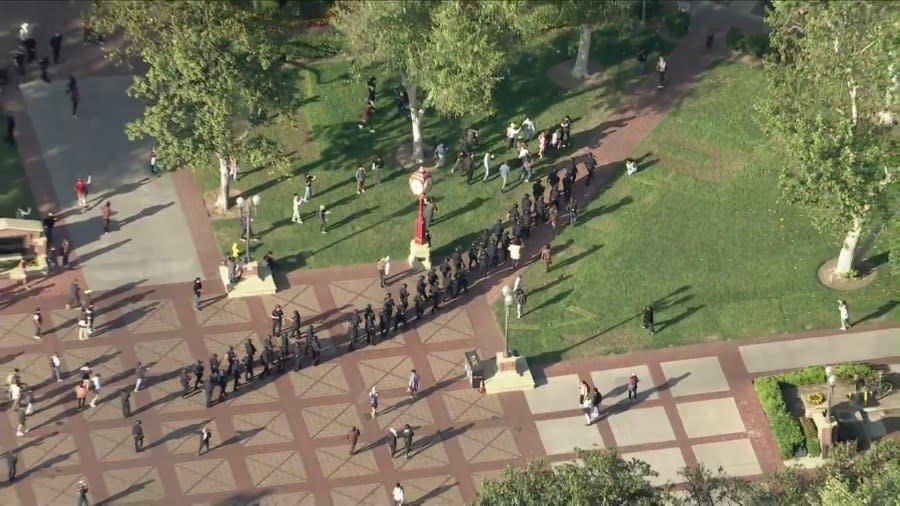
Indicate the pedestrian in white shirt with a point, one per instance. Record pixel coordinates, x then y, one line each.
511 133
95 380
296 207
528 127
487 166
845 314
397 495
504 175
55 365
83 327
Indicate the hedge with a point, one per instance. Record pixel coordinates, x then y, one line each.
811 434
756 44
677 23
789 433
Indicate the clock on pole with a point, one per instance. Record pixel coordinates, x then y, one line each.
420 183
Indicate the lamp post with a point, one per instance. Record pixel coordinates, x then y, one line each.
507 304
420 184
251 207
832 380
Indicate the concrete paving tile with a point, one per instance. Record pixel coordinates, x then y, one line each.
385 373
182 437
839 348
204 476
258 393
357 292
260 428
560 393
276 468
298 297
135 485
56 489
480 477
223 312
9 496
427 452
469 405
325 380
336 462
453 325
303 498
18 330
114 444
563 435
433 490
710 418
694 376
150 316
447 366
641 426
666 461
163 357
331 420
54 449
219 343
33 371
611 383
737 457
63 323
358 495
489 444
397 411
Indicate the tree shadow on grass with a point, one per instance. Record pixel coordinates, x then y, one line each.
573 259
659 327
882 310
601 210
556 299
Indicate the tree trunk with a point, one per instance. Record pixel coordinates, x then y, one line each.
415 118
222 199
846 259
580 71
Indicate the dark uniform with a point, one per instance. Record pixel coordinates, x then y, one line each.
295 324
125 397
185 378
408 436
198 374
392 443
298 356
137 431
266 358
208 390
248 367
277 320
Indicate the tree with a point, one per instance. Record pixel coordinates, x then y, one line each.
583 13
602 477
210 65
832 108
449 55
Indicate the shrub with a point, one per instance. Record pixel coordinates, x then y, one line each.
785 428
847 371
805 376
677 23
755 44
812 437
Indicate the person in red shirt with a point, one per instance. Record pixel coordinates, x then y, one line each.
81 191
106 212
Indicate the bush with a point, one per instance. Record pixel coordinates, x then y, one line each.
755 44
812 437
677 23
805 376
785 428
847 371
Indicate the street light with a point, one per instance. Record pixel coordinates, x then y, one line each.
832 380
245 210
507 304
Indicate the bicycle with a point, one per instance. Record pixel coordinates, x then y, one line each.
877 388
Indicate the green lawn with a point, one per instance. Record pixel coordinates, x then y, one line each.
699 234
324 140
14 192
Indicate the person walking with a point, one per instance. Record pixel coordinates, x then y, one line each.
74 292
137 432
197 289
55 366
64 251
21 429
205 436
185 378
125 399
11 461
373 402
74 95
661 66
546 257
38 321
308 187
521 298
428 212
198 374
83 327
398 495
377 166
295 205
95 381
323 221
140 373
360 180
28 401
845 314
381 266
487 166
56 47
80 395
504 175
642 57
596 399
511 133
277 319
82 494
647 320
632 386
412 387
106 213
353 437
408 438
515 251
392 441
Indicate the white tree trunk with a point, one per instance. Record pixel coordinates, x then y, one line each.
222 199
848 250
580 71
415 118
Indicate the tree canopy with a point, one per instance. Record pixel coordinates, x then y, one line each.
209 66
832 108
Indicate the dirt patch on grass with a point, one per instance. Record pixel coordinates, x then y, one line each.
827 277
561 74
406 160
209 200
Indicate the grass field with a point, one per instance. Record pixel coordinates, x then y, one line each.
14 191
325 141
700 235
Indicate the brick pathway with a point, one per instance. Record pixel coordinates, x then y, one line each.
282 440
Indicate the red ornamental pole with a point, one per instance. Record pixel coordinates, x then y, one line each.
420 221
